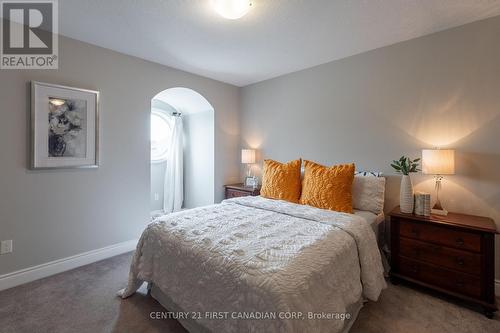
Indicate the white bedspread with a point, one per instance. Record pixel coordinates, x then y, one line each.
255 255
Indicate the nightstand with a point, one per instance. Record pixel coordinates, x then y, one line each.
453 254
240 190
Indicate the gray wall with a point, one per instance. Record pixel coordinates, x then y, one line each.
442 89
157 185
56 214
199 159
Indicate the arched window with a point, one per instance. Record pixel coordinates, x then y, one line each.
161 132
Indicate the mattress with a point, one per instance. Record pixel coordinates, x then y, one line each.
253 256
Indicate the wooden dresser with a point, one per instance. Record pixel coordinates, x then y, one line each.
453 254
239 190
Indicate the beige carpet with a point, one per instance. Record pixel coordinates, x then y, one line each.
83 300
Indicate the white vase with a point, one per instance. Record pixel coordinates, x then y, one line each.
406 200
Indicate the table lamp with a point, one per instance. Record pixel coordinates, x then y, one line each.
438 162
248 158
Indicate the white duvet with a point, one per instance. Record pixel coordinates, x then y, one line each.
255 256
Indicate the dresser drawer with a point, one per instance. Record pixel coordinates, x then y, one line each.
463 261
235 193
440 235
457 282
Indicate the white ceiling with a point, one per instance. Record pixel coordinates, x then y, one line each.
275 38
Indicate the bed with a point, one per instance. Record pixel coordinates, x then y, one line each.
375 221
252 264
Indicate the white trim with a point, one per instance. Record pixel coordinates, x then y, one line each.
33 273
497 287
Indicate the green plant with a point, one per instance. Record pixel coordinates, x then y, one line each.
405 165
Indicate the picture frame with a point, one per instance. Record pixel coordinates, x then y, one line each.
64 127
250 181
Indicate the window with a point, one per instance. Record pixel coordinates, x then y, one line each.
161 130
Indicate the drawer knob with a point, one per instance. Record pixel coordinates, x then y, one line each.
460 261
460 242
460 284
414 231
416 252
414 269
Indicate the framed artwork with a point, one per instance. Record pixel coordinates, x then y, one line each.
250 181
64 127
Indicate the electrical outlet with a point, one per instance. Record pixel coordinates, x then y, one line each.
157 197
6 247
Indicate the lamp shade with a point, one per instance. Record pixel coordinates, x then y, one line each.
247 156
438 161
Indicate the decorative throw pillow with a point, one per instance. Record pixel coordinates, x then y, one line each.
328 187
281 180
368 173
368 192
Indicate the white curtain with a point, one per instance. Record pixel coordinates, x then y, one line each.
174 191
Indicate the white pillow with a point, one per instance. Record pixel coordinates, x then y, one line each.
368 190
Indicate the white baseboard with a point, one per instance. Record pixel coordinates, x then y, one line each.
33 273
497 288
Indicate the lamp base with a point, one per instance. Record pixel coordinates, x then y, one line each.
442 212
438 209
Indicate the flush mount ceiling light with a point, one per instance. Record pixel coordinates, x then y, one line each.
232 9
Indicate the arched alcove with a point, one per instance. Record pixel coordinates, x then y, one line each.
199 150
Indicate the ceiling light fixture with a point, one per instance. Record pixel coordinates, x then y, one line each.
232 9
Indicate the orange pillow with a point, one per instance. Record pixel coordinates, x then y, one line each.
281 180
328 187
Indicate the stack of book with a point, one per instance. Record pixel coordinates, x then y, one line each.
422 204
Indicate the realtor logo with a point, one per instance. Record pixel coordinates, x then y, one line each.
29 34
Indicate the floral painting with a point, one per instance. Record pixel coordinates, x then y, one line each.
67 127
64 127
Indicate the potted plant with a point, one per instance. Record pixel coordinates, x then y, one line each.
406 166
